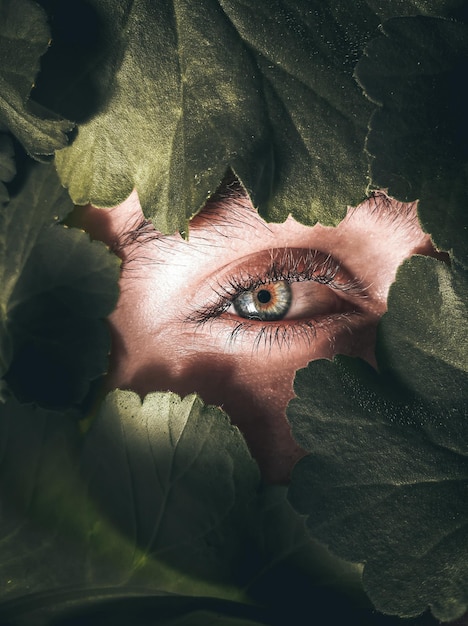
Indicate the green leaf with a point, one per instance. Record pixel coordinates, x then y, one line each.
386 482
378 490
430 357
418 136
176 478
276 102
57 287
59 555
24 37
179 107
182 462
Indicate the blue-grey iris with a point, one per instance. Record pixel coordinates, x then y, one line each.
268 302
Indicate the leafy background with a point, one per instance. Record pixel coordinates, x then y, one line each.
277 102
311 104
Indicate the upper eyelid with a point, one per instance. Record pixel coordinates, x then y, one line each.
285 265
279 264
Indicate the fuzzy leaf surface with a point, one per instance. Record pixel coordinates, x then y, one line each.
168 461
53 501
430 357
276 102
386 481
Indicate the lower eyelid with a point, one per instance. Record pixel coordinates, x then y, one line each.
290 333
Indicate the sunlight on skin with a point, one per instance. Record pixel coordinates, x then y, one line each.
176 327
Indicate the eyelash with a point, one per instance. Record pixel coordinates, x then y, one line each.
285 265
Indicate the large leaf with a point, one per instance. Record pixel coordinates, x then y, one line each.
386 482
64 562
59 555
176 478
431 357
24 37
418 137
182 462
378 490
57 287
180 106
262 89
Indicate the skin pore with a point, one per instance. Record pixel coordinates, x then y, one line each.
233 312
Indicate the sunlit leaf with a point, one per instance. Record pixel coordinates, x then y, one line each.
176 478
276 102
54 528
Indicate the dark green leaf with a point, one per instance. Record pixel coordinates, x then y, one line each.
387 479
56 288
24 37
197 491
176 479
266 90
418 137
430 357
378 490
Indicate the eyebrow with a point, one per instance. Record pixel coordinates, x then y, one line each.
229 212
400 216
226 214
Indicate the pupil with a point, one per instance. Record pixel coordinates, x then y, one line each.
263 296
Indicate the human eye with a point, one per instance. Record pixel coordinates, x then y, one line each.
278 295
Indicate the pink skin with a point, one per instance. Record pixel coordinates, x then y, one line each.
160 344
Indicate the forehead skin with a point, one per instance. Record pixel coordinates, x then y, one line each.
165 280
